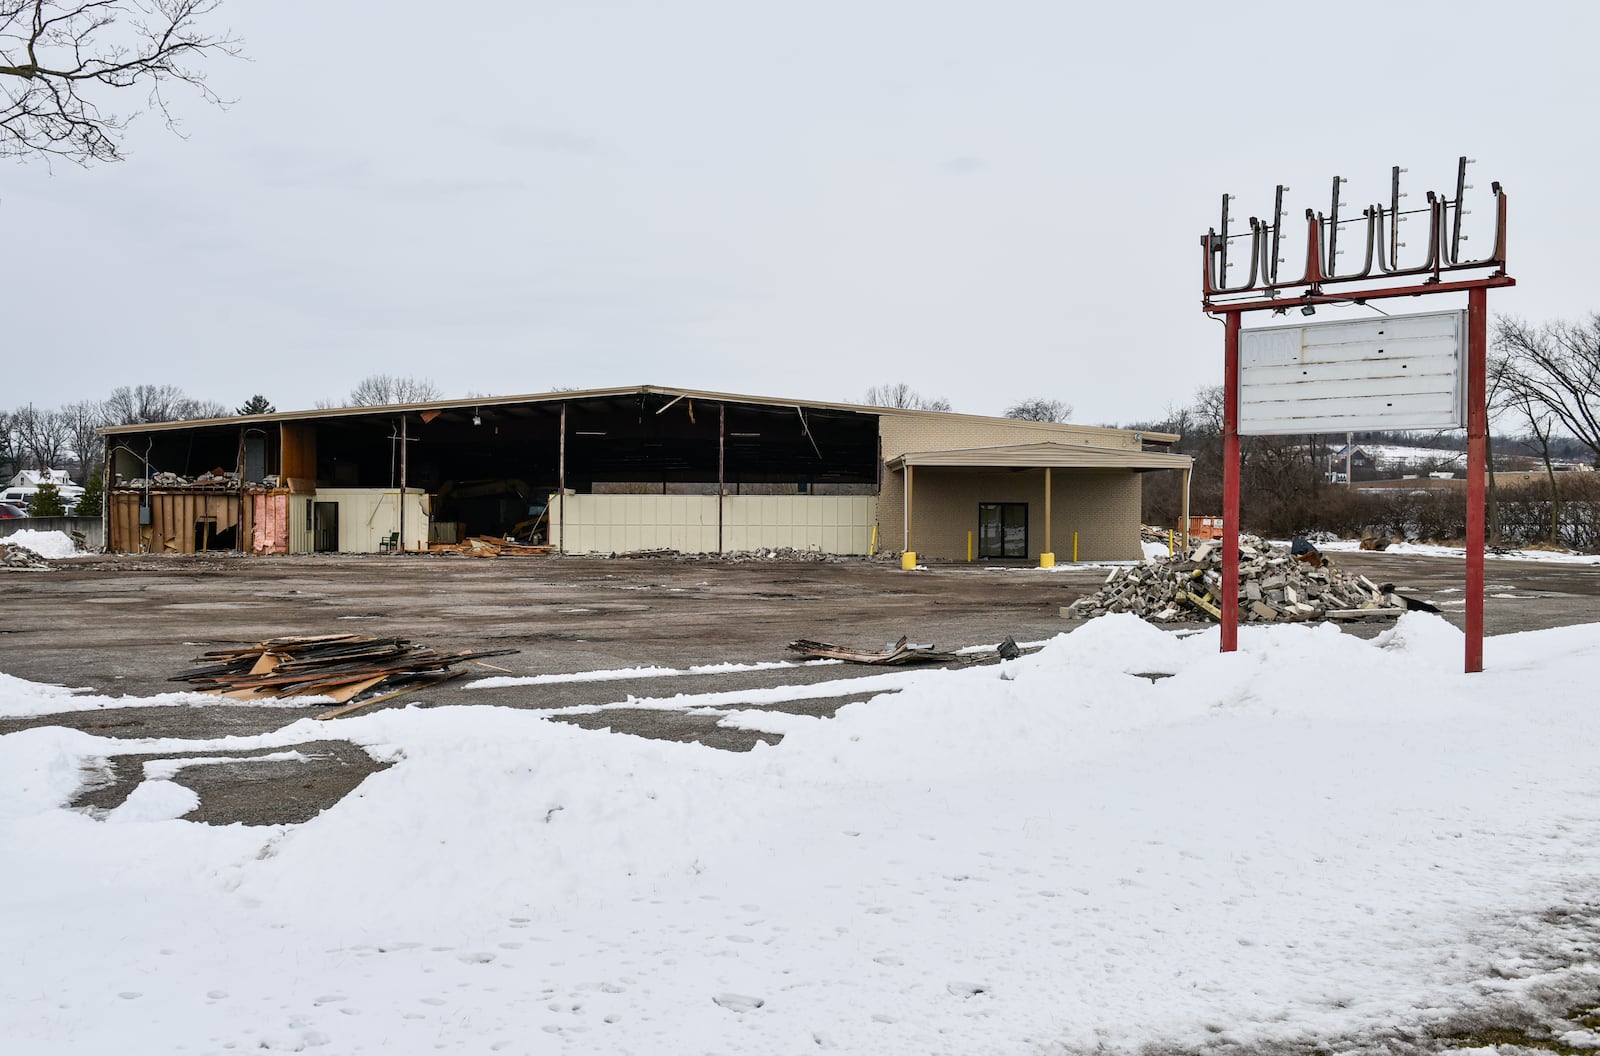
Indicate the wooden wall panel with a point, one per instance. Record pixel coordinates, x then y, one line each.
299 461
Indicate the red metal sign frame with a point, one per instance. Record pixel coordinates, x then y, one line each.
1274 296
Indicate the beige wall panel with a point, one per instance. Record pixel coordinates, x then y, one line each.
832 524
604 524
367 516
615 524
1102 506
302 529
900 434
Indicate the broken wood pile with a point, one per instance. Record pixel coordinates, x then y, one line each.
340 667
901 652
489 546
15 556
1273 586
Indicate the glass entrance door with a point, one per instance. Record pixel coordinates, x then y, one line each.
1003 529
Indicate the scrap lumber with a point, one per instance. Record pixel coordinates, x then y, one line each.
490 546
382 697
1275 584
338 666
900 652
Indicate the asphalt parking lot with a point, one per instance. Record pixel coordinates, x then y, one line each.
124 625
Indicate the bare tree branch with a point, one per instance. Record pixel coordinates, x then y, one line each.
56 57
1556 368
1039 409
903 396
140 404
380 390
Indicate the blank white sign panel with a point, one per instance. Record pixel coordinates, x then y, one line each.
1397 372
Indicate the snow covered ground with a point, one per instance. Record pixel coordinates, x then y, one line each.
1558 557
1313 839
45 544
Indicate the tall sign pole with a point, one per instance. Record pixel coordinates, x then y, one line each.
1230 486
1368 388
1477 467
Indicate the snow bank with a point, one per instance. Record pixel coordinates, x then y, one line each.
1304 841
1556 557
20 698
45 544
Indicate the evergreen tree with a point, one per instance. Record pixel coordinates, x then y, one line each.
89 504
47 502
257 404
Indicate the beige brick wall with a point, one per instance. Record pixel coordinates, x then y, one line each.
1101 505
900 433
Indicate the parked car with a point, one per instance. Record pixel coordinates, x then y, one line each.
8 511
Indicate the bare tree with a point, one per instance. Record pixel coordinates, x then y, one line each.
382 390
1040 409
41 436
1556 368
60 59
10 456
903 396
142 404
82 419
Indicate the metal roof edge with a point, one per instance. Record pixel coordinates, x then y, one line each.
319 413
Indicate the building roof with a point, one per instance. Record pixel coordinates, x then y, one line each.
1050 453
476 402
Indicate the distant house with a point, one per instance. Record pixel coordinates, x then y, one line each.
25 485
1359 460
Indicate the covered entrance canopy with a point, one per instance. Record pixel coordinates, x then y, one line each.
962 483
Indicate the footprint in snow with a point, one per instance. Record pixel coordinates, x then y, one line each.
960 989
739 1002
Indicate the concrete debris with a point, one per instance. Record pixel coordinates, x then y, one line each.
1274 586
218 479
21 559
782 553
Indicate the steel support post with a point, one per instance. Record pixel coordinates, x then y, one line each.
561 483
1477 466
1230 486
722 468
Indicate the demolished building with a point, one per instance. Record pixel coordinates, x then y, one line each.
632 469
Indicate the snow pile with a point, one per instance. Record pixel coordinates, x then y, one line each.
1301 843
45 544
1155 551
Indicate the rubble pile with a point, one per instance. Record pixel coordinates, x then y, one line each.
20 557
1274 585
780 553
215 480
783 553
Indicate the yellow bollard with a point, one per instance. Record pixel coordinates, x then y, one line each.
1074 547
1047 560
908 561
1172 550
969 548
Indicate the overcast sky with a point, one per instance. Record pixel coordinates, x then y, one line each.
989 201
